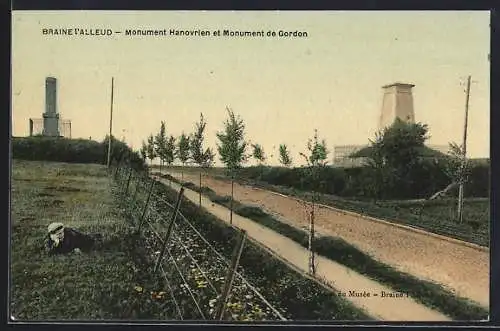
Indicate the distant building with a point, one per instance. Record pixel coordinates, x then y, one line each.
341 156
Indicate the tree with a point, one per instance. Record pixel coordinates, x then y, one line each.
183 151
150 149
160 143
170 150
317 159
396 157
204 158
318 153
208 157
284 156
400 143
258 153
376 170
143 151
456 169
232 148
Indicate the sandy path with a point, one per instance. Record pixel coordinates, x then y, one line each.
342 278
464 270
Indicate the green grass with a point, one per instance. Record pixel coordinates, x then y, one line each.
90 286
428 293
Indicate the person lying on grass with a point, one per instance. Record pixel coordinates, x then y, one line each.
62 240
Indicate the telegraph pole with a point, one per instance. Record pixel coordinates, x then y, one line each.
110 122
464 151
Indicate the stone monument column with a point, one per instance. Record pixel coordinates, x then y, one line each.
397 103
51 117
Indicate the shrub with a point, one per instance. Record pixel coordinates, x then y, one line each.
39 148
425 180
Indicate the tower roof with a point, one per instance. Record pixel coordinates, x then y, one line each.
399 84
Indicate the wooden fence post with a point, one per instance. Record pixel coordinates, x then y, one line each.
128 180
230 276
118 163
112 165
137 185
169 229
145 209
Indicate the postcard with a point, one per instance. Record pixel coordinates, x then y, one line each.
250 166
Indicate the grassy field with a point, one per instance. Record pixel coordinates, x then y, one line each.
437 216
336 249
88 286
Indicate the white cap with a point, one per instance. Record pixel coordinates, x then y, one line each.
53 226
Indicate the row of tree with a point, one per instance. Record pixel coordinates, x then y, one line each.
232 147
185 148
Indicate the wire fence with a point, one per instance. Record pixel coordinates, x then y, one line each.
202 284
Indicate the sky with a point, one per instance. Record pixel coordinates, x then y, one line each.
282 87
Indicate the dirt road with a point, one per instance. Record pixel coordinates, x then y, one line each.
462 269
343 279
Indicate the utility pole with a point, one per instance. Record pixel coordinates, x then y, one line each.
464 151
110 122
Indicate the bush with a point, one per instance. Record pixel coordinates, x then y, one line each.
189 185
39 148
207 190
424 180
479 181
222 200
